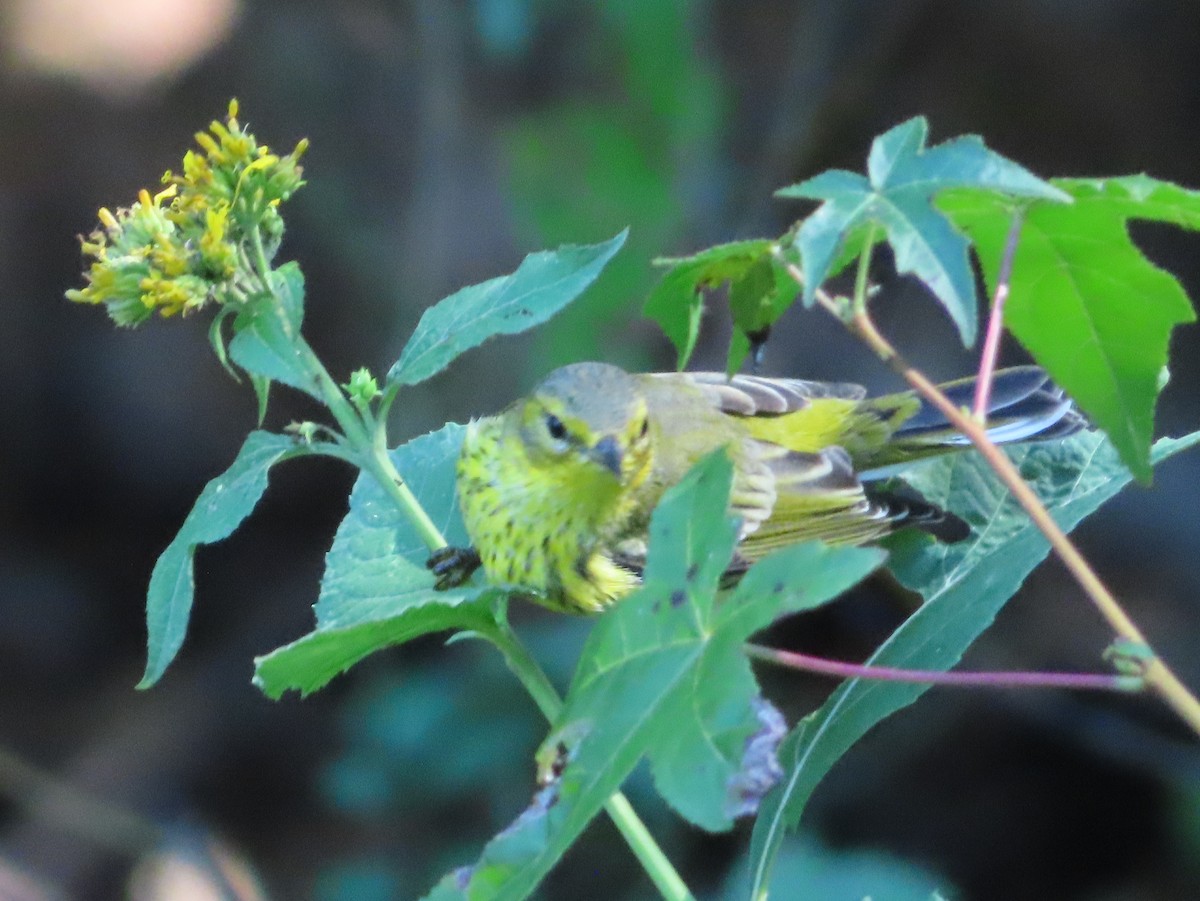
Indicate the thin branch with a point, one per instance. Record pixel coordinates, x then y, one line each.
991 344
861 282
1157 674
958 678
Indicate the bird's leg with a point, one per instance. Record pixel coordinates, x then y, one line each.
453 566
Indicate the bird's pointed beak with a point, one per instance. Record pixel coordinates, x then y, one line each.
608 454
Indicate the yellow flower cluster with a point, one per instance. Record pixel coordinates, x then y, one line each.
203 238
236 178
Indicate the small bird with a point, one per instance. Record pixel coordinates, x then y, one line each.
557 490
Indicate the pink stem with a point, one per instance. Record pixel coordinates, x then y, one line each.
1017 679
991 344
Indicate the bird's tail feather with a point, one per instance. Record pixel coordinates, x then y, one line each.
1025 405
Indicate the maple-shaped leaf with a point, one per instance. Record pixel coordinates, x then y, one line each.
903 176
1084 300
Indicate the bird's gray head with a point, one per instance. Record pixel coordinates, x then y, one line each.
592 412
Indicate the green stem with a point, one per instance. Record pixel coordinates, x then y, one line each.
261 264
653 860
393 483
380 465
370 443
860 278
526 669
386 397
356 431
656 864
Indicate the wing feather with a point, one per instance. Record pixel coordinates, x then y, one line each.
817 495
755 395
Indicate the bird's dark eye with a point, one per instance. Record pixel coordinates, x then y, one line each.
644 429
555 427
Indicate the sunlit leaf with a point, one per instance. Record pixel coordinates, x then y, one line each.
1084 300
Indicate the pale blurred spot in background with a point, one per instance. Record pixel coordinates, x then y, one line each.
116 47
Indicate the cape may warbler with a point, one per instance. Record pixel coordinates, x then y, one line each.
557 490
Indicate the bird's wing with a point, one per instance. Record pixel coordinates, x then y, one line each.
781 495
815 495
755 395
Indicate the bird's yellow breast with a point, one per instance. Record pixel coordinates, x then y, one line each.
540 526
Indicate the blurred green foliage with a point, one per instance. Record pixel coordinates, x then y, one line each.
631 150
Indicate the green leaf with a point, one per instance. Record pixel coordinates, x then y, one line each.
216 338
543 284
677 303
828 873
903 176
376 565
698 758
309 663
222 505
267 342
663 673
964 586
756 301
376 591
1084 300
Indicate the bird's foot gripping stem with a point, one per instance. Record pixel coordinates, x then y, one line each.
453 566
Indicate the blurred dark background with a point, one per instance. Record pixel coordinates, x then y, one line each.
448 139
